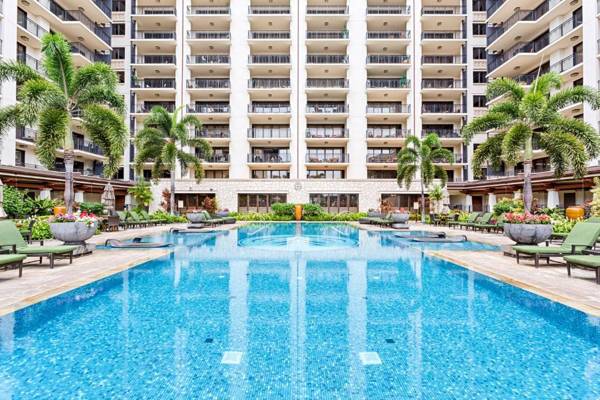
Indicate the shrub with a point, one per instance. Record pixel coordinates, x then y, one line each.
14 202
526 218
311 210
41 229
283 209
94 208
563 225
39 206
142 194
508 205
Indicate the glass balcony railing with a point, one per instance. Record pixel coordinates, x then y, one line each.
327 108
567 63
457 158
327 157
444 59
208 59
326 59
388 83
208 108
327 10
269 35
208 10
264 132
94 56
324 132
387 108
87 146
154 10
388 35
387 133
441 83
155 35
154 59
221 158
443 108
269 108
105 6
30 26
382 158
444 10
208 35
268 10
212 133
31 62
203 83
153 83
326 83
444 133
323 35
26 133
272 158
269 59
269 83
519 16
147 107
440 35
388 10
388 59
492 6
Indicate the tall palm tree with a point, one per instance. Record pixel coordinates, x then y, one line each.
525 115
49 101
418 158
163 140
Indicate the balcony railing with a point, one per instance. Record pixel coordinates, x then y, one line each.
326 83
443 108
31 27
208 10
269 108
103 5
567 63
493 6
388 59
324 133
260 10
327 158
276 133
154 59
382 158
441 83
208 35
154 10
79 48
387 83
26 133
154 35
212 133
327 34
443 35
378 133
269 158
31 62
208 59
444 59
388 35
269 59
519 16
387 108
208 108
87 146
153 83
457 158
203 83
326 108
388 10
444 10
269 83
218 158
327 10
326 59
147 107
269 35
444 133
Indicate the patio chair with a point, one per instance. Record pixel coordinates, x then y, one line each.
144 214
471 219
139 219
482 221
589 260
12 260
11 239
497 226
385 221
583 236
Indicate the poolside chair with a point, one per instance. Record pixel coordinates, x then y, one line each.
483 220
498 225
385 221
12 241
471 219
589 260
583 236
139 219
12 260
144 214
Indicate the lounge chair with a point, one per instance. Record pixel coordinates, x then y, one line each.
126 220
144 214
11 240
588 260
583 236
471 219
12 260
497 225
385 221
483 220
141 220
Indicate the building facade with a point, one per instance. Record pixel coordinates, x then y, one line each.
310 101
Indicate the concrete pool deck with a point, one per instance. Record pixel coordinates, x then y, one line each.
39 282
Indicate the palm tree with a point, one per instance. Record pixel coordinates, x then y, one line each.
163 140
49 101
525 115
420 157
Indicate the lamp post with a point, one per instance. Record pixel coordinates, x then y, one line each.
2 212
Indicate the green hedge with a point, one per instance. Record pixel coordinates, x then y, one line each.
283 209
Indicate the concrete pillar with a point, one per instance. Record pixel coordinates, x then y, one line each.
46 193
79 196
553 200
491 201
468 202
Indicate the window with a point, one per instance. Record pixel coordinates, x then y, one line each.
118 29
270 174
377 174
336 202
479 77
121 76
479 5
479 101
479 29
262 202
216 174
118 53
20 158
479 53
325 174
118 5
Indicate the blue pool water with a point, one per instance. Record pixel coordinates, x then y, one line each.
302 308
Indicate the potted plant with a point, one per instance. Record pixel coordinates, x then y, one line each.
400 216
74 229
526 228
196 216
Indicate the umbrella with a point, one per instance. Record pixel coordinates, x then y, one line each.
108 198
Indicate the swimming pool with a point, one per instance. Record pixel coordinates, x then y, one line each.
316 311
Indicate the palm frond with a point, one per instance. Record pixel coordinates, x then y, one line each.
17 71
574 95
106 129
509 108
58 61
533 107
53 127
489 151
582 131
35 95
505 86
514 142
484 123
203 145
565 151
441 174
545 83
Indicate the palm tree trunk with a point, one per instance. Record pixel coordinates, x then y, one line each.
69 196
422 202
527 161
172 198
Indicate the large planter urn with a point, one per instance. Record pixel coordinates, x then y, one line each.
74 233
400 218
196 217
528 233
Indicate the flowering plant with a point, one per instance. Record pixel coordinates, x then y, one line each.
87 218
526 218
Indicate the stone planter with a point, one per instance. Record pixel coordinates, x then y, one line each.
374 214
222 214
401 218
528 233
196 217
74 233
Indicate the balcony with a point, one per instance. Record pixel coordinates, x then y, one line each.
208 10
26 133
392 35
145 108
567 63
31 27
388 10
87 146
270 158
269 83
154 59
265 132
326 83
203 83
387 83
382 158
326 10
387 133
443 35
31 62
153 83
205 133
269 35
388 59
458 159
444 133
324 132
153 10
326 108
269 108
208 59
222 158
387 108
444 59
268 10
155 35
443 108
326 59
269 59
442 83
78 49
326 35
492 6
444 10
326 157
208 108
208 35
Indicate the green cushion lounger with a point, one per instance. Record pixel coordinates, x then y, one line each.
583 236
123 219
483 220
497 225
139 219
12 260
585 261
471 219
212 220
144 214
387 220
12 239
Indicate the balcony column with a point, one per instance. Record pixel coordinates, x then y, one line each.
468 202
491 201
553 199
46 194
